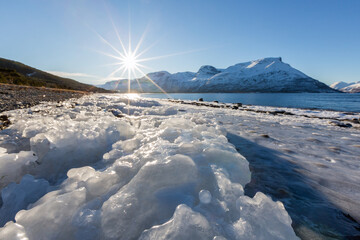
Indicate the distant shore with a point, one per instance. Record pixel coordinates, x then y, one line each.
18 96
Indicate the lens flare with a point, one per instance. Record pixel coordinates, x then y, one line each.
129 61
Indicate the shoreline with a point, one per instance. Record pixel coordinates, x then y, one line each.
352 122
19 96
219 97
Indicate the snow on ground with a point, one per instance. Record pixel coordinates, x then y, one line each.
77 171
97 169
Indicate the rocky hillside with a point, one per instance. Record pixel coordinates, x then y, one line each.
12 72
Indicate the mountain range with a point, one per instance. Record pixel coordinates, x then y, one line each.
262 75
353 87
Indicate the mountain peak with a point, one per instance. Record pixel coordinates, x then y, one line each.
207 70
346 87
270 59
339 85
265 61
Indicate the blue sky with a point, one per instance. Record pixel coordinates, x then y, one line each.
320 38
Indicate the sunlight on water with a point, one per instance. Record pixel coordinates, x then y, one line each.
132 96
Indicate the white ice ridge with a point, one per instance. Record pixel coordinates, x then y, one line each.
153 174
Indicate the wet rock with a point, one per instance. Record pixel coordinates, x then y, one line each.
200 99
340 124
280 112
116 113
355 120
4 122
288 113
272 113
334 149
264 136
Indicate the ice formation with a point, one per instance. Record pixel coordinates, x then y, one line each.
90 170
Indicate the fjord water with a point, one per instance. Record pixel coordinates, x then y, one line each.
328 101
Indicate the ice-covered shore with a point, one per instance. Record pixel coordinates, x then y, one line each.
79 172
97 169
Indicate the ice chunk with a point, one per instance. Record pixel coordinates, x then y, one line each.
177 123
262 218
219 238
18 196
185 224
12 166
40 145
138 202
205 196
170 134
235 164
86 223
81 174
52 218
13 231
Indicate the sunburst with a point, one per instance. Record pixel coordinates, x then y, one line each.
129 60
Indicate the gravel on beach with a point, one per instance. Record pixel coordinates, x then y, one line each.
17 96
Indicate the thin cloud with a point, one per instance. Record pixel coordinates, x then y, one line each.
71 75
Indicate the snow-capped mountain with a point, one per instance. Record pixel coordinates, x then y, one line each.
339 85
353 87
263 75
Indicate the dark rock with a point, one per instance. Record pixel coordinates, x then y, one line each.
354 120
272 113
4 122
239 104
116 113
340 124
216 101
264 136
288 113
280 112
3 118
200 99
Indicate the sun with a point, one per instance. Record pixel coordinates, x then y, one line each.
129 61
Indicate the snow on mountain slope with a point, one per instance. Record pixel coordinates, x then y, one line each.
339 85
353 87
263 75
112 84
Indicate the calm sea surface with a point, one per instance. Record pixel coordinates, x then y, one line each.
331 101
